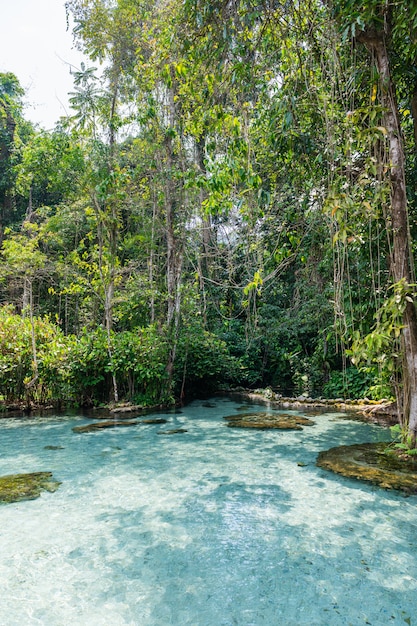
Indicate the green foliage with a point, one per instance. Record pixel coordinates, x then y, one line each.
245 207
203 362
19 379
51 168
21 252
13 130
138 360
402 441
355 383
90 366
380 350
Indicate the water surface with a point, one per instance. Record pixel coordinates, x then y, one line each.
217 526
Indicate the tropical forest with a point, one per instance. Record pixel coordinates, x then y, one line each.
208 322
231 204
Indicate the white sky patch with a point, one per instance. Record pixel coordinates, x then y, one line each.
37 47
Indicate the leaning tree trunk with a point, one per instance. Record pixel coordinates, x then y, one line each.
375 41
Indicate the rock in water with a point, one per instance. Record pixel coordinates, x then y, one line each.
373 463
18 487
264 421
90 428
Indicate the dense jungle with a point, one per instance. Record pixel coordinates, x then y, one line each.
231 204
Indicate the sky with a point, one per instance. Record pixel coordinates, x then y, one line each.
36 46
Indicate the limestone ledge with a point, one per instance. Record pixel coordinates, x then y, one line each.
382 412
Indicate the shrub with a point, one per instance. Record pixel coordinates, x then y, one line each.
19 379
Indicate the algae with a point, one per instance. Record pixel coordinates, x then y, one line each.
16 487
371 462
265 421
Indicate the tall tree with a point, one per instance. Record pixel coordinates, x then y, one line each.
388 33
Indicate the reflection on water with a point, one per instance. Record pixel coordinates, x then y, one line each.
209 527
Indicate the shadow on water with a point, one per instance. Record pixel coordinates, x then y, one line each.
234 556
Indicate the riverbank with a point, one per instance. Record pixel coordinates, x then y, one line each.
383 412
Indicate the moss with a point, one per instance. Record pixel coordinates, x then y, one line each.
265 421
18 487
373 463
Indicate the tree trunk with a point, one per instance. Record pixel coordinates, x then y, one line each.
375 41
151 262
29 385
174 245
107 277
108 314
174 269
204 258
414 114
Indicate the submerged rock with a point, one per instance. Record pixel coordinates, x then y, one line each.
89 428
16 487
155 420
373 463
268 421
174 431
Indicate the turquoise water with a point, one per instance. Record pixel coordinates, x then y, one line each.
217 526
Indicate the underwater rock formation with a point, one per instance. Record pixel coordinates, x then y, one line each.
266 421
174 431
89 428
16 487
371 462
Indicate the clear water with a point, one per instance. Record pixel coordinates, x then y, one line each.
214 527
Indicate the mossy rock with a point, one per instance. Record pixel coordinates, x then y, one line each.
16 487
371 462
265 421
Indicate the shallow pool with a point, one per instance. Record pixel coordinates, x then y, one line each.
215 526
